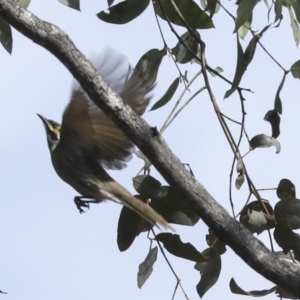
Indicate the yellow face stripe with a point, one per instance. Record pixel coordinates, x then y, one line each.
55 130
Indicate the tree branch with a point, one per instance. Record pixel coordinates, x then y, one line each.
250 249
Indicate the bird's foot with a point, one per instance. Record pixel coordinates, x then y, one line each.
82 204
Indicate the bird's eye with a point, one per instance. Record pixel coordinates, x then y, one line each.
53 136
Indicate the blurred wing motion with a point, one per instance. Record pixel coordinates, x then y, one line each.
86 126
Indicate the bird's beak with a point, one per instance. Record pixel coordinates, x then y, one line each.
45 121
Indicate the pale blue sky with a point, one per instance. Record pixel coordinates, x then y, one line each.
48 250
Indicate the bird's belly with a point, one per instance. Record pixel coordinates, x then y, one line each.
76 174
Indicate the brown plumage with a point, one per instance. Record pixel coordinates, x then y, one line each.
87 141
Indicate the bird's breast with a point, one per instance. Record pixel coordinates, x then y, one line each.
74 168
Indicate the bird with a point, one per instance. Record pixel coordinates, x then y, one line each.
87 142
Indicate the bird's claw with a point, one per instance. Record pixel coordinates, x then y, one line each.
80 204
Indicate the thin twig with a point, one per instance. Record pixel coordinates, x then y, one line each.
179 99
182 107
170 266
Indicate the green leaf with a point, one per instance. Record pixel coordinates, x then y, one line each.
174 208
286 238
264 141
130 226
71 3
277 103
214 242
244 12
148 187
210 271
194 16
25 3
212 6
296 7
239 71
146 267
254 217
288 211
272 116
239 165
176 247
235 289
295 68
148 65
187 51
141 155
6 36
257 206
295 26
167 96
278 10
239 181
250 50
244 29
286 190
123 12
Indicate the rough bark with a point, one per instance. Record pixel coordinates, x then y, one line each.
250 249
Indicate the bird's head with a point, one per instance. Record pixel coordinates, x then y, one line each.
52 131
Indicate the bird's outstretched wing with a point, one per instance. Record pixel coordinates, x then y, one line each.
84 125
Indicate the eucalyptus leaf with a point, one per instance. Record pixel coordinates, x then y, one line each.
209 271
278 10
214 242
167 96
146 267
175 246
264 141
286 238
174 208
25 3
272 116
289 211
239 181
148 65
124 11
295 68
244 29
254 217
295 26
147 163
187 48
239 165
191 12
212 6
250 50
257 222
130 225
277 102
286 190
235 289
147 186
296 7
6 36
239 71
244 12
71 3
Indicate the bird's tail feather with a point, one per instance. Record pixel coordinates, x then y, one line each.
144 210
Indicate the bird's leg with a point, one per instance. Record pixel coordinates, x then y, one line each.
80 203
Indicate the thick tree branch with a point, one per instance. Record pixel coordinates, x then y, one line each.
250 249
